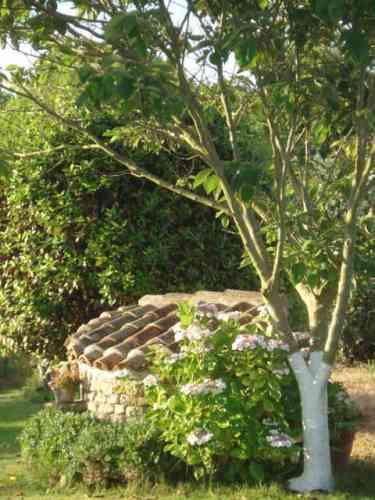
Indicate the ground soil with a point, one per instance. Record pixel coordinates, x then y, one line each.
360 383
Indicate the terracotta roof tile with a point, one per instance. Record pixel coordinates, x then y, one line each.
119 339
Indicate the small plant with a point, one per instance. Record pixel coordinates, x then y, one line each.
64 376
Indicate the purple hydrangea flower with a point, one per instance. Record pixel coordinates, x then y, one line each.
277 344
279 440
244 342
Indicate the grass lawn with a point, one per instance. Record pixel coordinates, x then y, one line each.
16 481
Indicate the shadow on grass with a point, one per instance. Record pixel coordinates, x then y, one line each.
14 411
358 479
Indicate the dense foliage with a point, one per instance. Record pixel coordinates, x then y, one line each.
78 235
64 448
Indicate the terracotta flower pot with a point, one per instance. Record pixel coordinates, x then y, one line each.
64 394
343 449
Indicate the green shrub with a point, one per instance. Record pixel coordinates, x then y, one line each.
65 448
34 389
78 238
359 331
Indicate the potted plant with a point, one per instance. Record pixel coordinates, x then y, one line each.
64 381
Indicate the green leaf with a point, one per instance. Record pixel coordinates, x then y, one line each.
120 25
268 405
313 280
201 177
357 44
225 221
245 52
140 47
321 132
211 183
246 193
4 169
215 58
321 9
126 86
245 180
263 4
298 272
336 9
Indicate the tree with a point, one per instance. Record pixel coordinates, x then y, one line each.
304 70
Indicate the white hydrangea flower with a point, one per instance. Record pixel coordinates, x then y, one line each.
342 396
281 372
179 332
199 437
279 440
197 349
208 386
150 381
191 389
195 332
277 344
215 386
176 356
269 422
230 315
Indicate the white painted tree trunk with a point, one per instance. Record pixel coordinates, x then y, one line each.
312 381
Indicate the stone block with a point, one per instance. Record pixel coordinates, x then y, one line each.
106 409
119 409
92 406
118 418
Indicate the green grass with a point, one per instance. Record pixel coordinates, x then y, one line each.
16 480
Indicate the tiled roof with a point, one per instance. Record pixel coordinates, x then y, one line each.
120 338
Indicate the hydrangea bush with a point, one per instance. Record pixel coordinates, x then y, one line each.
219 402
227 403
